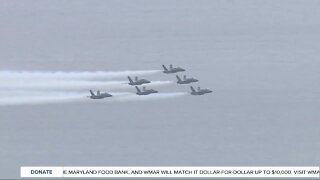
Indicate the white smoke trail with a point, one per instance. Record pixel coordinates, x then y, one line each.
19 88
73 85
45 99
60 85
36 99
72 75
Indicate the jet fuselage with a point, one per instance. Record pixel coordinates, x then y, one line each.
145 91
99 95
172 69
199 91
137 81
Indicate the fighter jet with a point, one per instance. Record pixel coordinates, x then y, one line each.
137 81
145 91
186 80
199 91
172 69
99 95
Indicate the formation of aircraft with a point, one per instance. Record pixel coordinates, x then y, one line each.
185 80
171 70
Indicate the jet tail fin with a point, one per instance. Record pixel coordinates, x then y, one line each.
178 78
164 67
138 90
91 92
130 79
192 89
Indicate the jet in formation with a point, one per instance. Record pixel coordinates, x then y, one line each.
172 69
186 80
199 91
99 95
137 81
145 91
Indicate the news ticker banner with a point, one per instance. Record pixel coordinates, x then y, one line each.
171 172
